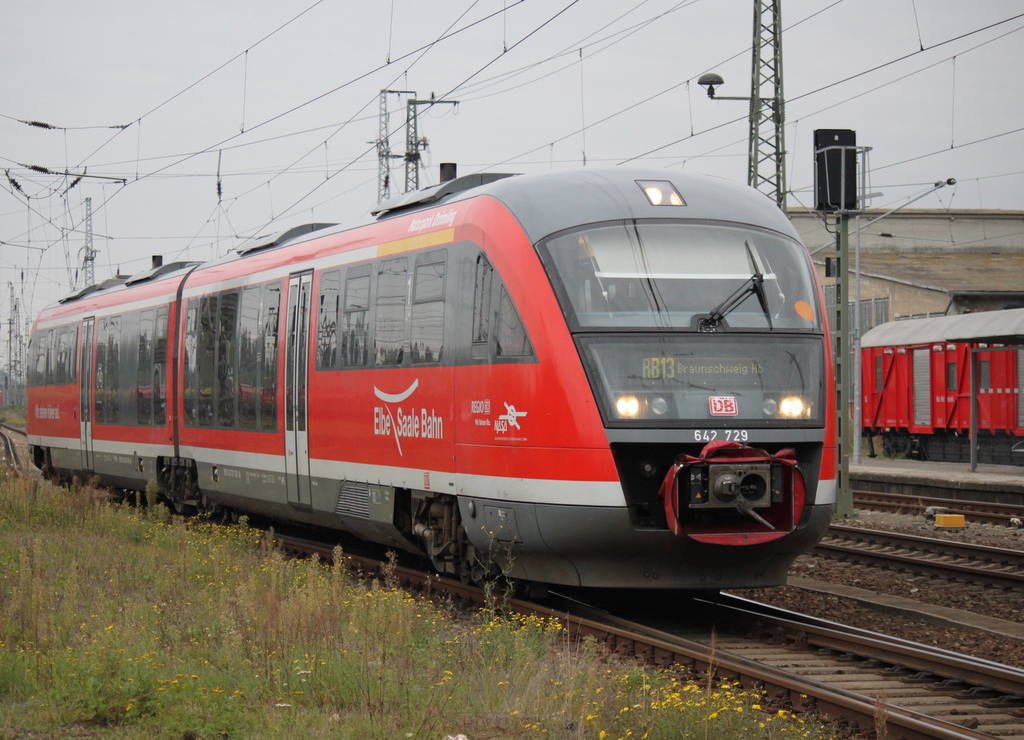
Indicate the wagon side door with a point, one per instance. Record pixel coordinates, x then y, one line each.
296 430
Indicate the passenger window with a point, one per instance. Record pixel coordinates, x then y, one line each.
879 378
226 351
512 340
207 359
389 321
354 334
71 357
41 358
191 363
427 336
60 374
160 368
112 389
327 321
248 357
270 319
985 371
144 375
481 306
100 378
950 376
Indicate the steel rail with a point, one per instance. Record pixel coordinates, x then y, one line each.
660 647
921 554
981 512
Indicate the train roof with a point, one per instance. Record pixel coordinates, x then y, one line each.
544 203
548 202
114 284
1003 327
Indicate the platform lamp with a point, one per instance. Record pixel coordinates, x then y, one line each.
765 141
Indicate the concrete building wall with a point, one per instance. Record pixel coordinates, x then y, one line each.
965 231
929 262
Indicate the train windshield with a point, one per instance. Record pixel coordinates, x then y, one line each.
683 276
708 379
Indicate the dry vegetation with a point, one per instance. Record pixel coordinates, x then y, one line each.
122 622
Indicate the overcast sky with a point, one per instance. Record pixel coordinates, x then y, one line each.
277 104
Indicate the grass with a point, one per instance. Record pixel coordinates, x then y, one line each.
13 415
119 622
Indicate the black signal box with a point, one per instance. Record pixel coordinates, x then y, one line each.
835 169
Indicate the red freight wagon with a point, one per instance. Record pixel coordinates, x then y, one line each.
916 386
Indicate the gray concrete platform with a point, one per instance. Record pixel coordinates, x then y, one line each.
1004 483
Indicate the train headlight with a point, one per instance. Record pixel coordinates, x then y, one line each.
791 407
659 406
627 406
661 193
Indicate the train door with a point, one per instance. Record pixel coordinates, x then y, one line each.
296 434
85 386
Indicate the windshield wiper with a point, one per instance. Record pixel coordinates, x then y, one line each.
754 284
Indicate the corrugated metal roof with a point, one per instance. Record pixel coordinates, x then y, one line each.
1006 327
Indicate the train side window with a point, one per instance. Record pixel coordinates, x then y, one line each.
879 377
51 356
355 331
427 330
144 375
248 358
482 306
60 367
950 376
191 395
206 359
160 368
327 321
112 375
389 311
226 356
271 322
512 340
985 371
100 376
31 359
42 359
71 356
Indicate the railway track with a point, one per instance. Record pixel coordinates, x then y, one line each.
8 451
974 511
954 561
800 663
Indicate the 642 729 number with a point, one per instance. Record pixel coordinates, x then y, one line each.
729 435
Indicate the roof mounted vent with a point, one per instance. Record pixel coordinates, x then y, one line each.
158 271
435 193
280 238
110 282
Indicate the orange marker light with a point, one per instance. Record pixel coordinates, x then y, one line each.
804 310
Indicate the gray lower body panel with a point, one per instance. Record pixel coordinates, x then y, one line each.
599 547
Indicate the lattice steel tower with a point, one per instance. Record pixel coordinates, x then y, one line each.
89 257
766 156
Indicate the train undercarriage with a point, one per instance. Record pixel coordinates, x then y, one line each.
947 446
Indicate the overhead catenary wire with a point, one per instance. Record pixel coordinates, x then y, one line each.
302 165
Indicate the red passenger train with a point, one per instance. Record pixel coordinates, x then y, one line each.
916 387
612 378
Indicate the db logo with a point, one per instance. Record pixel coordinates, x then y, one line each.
723 406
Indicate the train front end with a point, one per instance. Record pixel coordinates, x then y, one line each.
698 321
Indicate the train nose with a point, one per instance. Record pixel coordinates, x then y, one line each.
733 489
